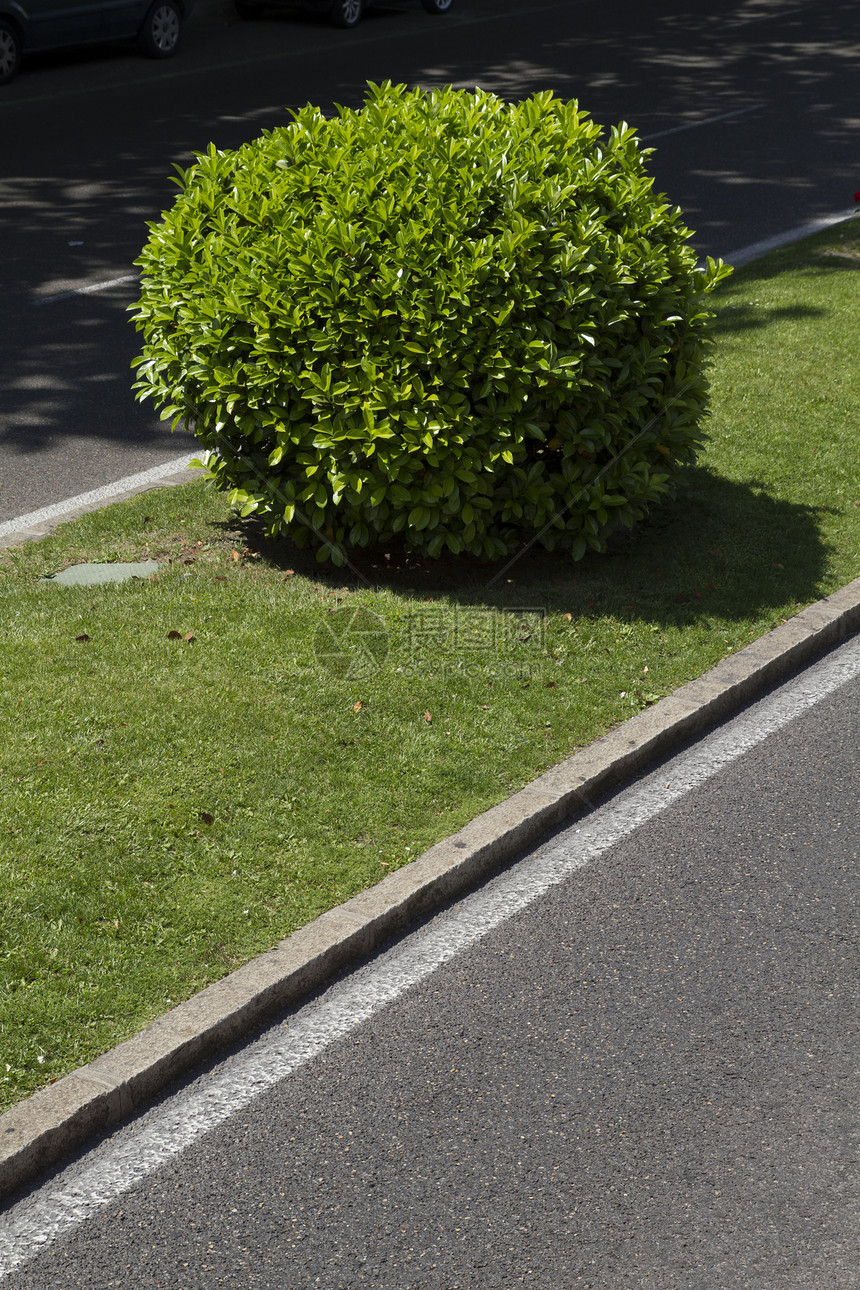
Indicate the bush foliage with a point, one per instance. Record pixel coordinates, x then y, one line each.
445 317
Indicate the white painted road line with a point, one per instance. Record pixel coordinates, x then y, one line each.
707 120
116 1166
756 249
103 494
85 291
765 17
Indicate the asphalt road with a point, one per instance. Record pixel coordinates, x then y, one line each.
645 1077
759 99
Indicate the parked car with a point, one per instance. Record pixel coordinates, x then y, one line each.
343 13
29 25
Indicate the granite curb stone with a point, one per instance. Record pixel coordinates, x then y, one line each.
46 1127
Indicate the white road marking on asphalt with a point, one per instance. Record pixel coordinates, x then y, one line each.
706 120
116 1166
764 17
756 249
85 291
104 494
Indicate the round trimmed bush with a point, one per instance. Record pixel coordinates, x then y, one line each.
444 319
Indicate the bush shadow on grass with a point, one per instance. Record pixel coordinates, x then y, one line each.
819 257
748 316
721 549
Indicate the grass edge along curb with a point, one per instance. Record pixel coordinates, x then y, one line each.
51 1123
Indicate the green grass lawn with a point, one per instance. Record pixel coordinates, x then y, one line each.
173 806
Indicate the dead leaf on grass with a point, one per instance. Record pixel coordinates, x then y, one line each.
427 716
356 707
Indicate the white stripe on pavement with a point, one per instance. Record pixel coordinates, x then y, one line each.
117 1165
106 493
85 291
707 120
756 249
764 17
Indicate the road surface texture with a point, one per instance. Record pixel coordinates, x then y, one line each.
630 1060
751 105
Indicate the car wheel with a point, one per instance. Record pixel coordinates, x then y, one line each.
10 51
437 6
345 13
161 30
248 10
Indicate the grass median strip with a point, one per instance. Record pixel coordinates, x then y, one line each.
201 761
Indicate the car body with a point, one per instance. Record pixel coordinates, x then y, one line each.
343 13
30 25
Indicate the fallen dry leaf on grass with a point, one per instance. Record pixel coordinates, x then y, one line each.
356 707
427 716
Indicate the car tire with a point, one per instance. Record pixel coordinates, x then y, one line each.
161 29
437 6
248 9
11 48
345 13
